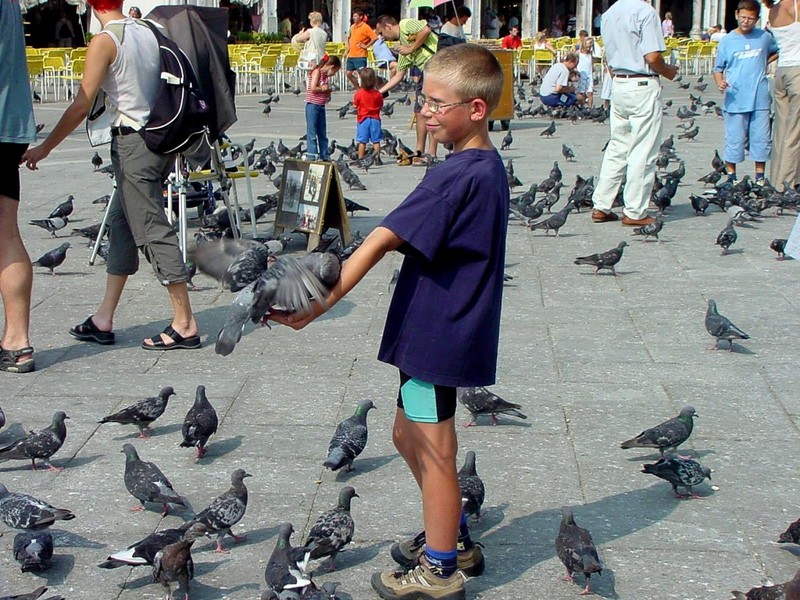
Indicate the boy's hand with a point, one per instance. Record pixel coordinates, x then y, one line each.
32 156
296 320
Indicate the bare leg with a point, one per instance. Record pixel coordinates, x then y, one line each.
182 318
422 133
16 279
104 317
362 148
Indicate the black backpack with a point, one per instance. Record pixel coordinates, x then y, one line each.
180 116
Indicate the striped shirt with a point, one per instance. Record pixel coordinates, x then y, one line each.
320 98
409 28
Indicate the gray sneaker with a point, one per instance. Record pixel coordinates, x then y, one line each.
471 561
418 582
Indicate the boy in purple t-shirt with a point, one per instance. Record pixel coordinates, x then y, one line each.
443 325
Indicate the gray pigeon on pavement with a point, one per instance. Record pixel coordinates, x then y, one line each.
679 471
52 259
576 549
64 209
603 260
727 237
41 444
791 535
33 550
142 413
34 595
200 423
287 564
145 481
480 401
20 511
51 225
226 510
473 491
554 222
334 529
770 591
721 327
144 551
349 439
669 434
174 562
651 230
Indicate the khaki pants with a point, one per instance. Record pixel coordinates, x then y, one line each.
785 165
632 150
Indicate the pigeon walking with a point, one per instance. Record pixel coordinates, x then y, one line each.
51 225
143 552
551 129
567 152
334 529
576 549
473 491
287 564
145 481
200 423
33 550
349 439
20 511
41 444
650 230
226 510
603 260
142 413
507 141
667 435
480 401
174 562
555 222
721 328
779 245
64 209
53 258
97 161
679 471
727 237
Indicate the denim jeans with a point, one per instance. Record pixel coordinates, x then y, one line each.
316 134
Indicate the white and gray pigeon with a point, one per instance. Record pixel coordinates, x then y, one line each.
287 286
34 595
64 209
174 563
287 564
53 258
41 444
142 413
145 481
679 471
200 423
349 439
669 434
51 225
334 529
771 591
226 510
576 549
473 491
721 328
20 511
143 552
480 401
33 550
234 263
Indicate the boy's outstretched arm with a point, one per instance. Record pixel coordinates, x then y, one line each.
377 244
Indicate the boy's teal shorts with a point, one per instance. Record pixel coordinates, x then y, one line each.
424 402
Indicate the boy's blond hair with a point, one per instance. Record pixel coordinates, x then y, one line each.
470 70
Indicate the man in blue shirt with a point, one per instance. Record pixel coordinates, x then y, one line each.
741 74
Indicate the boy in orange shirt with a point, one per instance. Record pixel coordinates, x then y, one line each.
368 102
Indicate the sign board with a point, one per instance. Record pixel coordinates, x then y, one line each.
311 201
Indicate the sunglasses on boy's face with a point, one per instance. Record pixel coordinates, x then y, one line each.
437 107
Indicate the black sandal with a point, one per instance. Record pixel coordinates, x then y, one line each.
9 363
179 342
88 332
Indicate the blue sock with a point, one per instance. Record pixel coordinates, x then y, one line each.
442 564
464 539
760 177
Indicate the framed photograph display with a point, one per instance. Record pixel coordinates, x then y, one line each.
310 200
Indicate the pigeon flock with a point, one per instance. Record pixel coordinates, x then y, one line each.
259 276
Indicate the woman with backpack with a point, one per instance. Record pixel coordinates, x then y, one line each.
123 60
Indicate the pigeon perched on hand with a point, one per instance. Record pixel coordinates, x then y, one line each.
51 225
53 258
721 327
667 435
349 439
20 511
679 471
174 563
142 413
287 564
143 552
64 209
200 423
41 444
480 401
334 529
145 481
226 510
603 260
473 491
33 550
576 550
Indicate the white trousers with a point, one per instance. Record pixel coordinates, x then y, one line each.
635 139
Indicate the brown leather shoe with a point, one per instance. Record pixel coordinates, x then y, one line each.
628 222
598 216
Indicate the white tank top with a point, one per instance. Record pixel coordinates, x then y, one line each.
131 82
788 39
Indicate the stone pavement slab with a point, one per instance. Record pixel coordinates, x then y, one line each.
593 360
